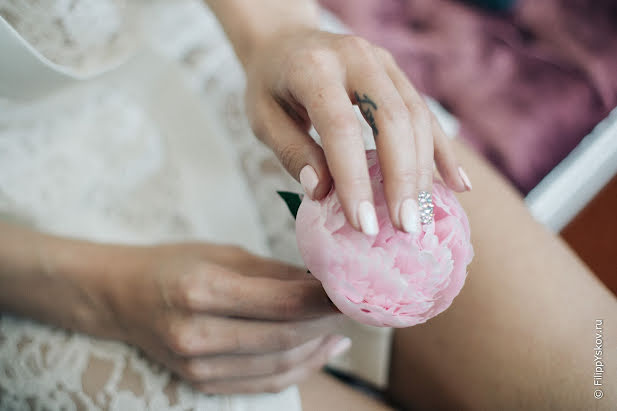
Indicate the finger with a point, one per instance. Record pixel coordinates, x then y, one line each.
265 267
207 368
450 171
301 156
241 261
431 141
219 291
421 120
278 382
332 114
202 335
382 106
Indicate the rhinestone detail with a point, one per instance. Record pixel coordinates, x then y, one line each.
425 205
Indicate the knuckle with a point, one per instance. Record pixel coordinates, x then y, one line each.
420 113
398 120
403 176
418 108
356 44
187 295
346 128
286 363
234 341
274 387
179 337
291 156
286 339
192 292
193 370
424 172
316 58
395 110
293 305
385 55
358 184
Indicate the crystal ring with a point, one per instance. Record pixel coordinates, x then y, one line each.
425 205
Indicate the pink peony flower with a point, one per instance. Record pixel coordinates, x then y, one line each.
394 279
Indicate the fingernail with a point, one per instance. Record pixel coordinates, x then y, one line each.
409 216
368 218
309 180
464 177
340 347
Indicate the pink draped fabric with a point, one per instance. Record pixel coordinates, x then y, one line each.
527 85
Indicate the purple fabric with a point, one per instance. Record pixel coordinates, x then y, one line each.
527 86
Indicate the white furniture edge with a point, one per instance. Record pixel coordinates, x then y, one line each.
577 179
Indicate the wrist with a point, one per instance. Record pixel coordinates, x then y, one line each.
250 24
52 279
74 274
86 281
109 281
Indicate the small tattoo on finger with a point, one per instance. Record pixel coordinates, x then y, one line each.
367 106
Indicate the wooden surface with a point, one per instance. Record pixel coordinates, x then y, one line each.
593 235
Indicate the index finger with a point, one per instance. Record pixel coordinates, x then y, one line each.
226 293
333 116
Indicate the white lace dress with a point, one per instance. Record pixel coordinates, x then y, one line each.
156 148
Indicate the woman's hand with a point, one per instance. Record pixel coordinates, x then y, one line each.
224 319
302 77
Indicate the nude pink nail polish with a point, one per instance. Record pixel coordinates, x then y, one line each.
309 180
465 179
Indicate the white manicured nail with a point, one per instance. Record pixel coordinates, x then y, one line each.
309 180
340 347
368 218
465 179
409 216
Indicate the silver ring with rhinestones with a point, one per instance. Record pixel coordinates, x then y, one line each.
425 206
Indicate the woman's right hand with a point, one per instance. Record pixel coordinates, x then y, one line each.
223 319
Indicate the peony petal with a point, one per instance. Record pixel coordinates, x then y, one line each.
394 279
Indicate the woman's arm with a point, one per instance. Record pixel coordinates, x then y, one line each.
223 319
56 280
249 23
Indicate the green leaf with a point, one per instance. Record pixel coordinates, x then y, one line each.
292 200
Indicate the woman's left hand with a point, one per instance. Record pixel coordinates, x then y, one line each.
309 77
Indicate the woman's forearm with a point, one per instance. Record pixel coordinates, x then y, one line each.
250 22
56 280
